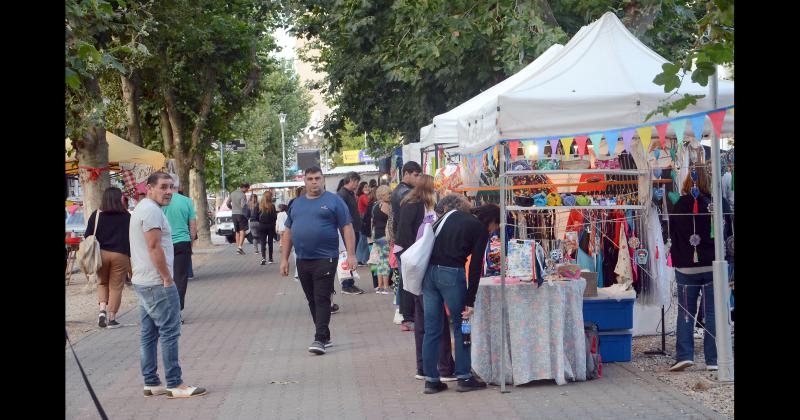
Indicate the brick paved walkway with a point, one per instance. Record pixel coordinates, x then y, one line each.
245 339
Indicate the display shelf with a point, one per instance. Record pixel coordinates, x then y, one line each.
577 171
625 207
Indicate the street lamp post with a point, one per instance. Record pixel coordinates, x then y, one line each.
282 118
222 163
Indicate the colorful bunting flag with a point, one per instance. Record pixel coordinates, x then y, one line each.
716 121
679 126
553 148
566 143
581 142
540 143
645 135
627 137
513 148
612 137
662 134
596 137
698 122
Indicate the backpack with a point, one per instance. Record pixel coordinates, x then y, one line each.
88 255
594 363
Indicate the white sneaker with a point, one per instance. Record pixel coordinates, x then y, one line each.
683 364
150 391
187 392
712 367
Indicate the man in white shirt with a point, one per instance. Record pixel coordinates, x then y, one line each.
152 259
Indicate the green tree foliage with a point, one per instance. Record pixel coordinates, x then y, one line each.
259 126
392 65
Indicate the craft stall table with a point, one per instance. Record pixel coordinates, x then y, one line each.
546 335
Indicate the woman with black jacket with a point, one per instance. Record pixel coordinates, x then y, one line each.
112 222
266 221
692 250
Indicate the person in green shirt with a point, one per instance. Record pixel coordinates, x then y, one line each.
183 221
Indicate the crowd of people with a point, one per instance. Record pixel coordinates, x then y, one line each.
329 234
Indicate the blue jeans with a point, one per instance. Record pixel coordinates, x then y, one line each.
444 285
362 248
689 286
160 313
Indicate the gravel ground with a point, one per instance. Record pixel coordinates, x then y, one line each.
695 382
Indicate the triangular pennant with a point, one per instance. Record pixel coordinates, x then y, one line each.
581 142
490 158
698 121
596 137
553 148
513 148
496 155
627 137
612 137
679 126
731 112
645 135
540 145
716 121
566 143
662 134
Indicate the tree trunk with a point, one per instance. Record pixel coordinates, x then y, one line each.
179 150
92 152
166 132
640 15
130 95
198 194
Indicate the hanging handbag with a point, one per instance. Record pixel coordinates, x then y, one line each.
89 256
415 259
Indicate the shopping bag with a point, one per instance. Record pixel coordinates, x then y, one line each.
415 259
341 271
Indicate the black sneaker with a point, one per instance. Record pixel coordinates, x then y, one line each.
271 262
352 290
101 319
240 251
434 387
317 347
327 343
113 324
471 384
334 308
263 262
420 375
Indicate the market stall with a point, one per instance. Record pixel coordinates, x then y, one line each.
576 203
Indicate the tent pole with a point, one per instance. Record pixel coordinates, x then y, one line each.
503 318
720 266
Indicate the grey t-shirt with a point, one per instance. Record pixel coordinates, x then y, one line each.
146 216
237 201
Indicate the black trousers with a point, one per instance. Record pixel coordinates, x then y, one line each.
180 267
266 237
316 277
406 297
446 365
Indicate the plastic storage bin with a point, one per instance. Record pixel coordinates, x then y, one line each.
616 346
609 314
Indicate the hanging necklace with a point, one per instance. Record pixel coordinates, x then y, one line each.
694 240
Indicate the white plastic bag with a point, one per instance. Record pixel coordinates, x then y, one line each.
341 272
415 259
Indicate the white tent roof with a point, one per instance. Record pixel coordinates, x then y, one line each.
444 128
360 169
602 79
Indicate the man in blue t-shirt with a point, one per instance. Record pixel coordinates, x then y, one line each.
313 223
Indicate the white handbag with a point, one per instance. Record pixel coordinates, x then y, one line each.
414 262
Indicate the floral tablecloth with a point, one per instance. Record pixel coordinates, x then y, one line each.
546 332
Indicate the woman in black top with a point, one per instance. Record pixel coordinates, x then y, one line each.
266 222
113 222
379 257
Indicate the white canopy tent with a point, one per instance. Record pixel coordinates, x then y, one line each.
444 129
602 79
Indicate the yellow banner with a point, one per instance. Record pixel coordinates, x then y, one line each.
350 156
645 135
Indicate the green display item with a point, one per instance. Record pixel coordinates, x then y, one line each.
673 196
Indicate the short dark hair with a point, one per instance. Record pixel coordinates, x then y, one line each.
352 176
487 213
411 167
112 201
244 185
155 176
373 183
313 170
